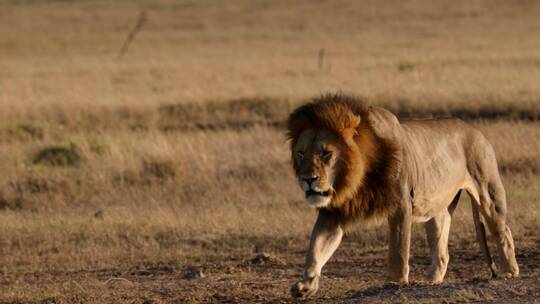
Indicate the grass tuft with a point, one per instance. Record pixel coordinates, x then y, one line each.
57 156
10 204
405 66
34 131
161 169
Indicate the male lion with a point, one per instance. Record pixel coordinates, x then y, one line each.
356 163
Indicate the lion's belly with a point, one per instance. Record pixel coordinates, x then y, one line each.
426 207
430 201
440 169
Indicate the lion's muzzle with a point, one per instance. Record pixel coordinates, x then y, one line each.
313 192
316 195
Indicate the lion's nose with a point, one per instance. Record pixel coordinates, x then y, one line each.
310 179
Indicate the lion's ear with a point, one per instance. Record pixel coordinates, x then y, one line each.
351 123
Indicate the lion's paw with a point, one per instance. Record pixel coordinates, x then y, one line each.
305 288
508 275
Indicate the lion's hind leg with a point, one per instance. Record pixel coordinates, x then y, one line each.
489 198
493 209
438 231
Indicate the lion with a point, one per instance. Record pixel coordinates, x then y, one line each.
357 163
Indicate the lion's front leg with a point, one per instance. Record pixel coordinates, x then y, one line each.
400 241
325 239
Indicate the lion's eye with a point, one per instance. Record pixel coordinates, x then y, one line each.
300 155
326 154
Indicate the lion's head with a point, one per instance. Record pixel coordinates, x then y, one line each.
318 159
332 149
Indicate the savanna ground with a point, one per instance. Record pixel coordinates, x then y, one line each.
162 175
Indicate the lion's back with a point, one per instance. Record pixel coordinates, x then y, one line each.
429 136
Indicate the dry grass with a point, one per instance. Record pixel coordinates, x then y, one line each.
191 51
175 152
168 195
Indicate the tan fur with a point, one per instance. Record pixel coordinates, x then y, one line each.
358 163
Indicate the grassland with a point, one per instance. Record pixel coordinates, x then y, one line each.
120 175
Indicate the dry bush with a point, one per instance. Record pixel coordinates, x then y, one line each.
235 114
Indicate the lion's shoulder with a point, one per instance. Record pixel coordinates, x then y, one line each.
384 123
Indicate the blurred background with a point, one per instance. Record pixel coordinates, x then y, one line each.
143 155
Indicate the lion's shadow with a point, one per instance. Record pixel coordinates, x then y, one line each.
419 289
386 289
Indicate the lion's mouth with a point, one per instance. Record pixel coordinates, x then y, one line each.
313 192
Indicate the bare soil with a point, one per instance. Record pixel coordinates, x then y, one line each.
353 275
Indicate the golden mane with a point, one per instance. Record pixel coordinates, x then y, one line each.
364 188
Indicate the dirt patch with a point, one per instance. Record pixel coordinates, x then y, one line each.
353 275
